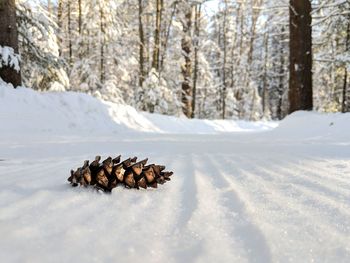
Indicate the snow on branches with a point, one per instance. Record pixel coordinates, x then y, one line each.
9 58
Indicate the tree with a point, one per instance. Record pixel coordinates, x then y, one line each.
224 40
157 30
42 68
345 97
196 47
300 46
9 59
330 54
142 46
186 44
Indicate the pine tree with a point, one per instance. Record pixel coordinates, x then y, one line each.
41 67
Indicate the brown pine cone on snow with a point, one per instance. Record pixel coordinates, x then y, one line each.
113 172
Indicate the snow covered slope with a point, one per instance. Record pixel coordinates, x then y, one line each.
274 196
308 125
26 110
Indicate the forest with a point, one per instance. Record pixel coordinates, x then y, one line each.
174 131
214 59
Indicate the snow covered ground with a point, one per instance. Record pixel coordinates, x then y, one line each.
241 192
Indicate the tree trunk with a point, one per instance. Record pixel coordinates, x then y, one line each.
300 45
142 46
234 58
195 75
224 88
186 45
102 46
80 17
155 62
345 102
265 91
239 91
59 24
280 112
70 35
81 42
147 43
9 38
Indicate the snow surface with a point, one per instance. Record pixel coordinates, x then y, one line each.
236 196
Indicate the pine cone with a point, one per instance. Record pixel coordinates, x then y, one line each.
113 172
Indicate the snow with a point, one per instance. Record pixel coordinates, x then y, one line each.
71 112
241 192
8 57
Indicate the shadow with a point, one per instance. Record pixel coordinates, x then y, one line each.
244 229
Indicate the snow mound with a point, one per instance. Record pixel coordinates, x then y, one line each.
315 125
27 111
78 113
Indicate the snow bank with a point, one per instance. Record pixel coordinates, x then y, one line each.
26 111
170 124
78 113
315 125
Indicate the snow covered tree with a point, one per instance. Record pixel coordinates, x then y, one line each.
186 68
42 68
154 96
172 57
331 55
274 47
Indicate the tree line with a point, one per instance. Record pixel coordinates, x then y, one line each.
249 59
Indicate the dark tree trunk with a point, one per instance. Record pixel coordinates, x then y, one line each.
345 101
186 45
80 51
60 25
80 23
300 82
9 38
155 62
